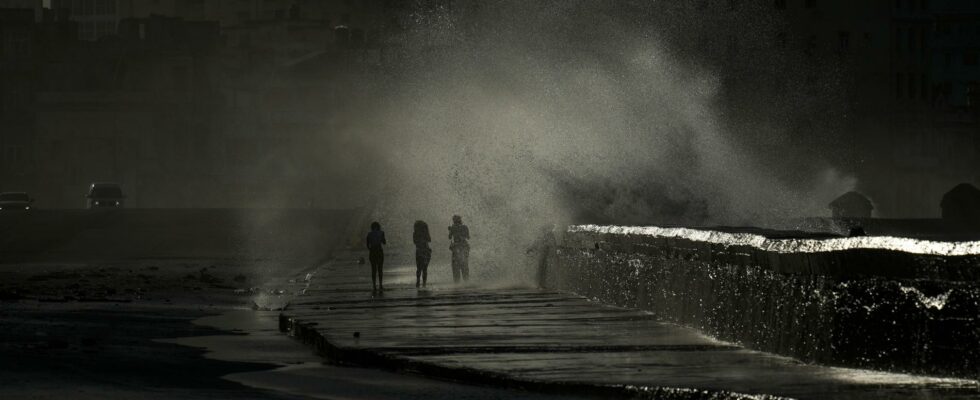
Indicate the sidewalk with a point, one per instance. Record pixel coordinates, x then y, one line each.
560 343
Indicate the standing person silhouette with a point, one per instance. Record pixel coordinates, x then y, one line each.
375 244
459 244
423 254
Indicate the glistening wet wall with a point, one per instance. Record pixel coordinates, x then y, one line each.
883 303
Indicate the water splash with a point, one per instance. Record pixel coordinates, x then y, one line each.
937 302
270 301
864 376
907 245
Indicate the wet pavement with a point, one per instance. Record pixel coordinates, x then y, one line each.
181 332
560 342
254 337
107 351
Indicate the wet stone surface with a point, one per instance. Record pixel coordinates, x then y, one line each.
852 308
548 340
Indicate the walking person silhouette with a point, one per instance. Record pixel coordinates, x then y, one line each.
459 243
423 253
375 244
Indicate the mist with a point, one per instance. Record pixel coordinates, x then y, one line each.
516 115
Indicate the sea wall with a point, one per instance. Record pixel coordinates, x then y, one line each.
883 303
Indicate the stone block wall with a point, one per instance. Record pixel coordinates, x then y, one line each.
912 307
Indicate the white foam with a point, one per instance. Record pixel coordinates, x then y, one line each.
863 376
937 302
907 245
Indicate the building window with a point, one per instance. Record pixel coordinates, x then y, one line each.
898 85
181 78
844 41
922 42
86 30
972 94
780 4
810 3
924 91
20 44
10 103
61 5
13 154
898 41
781 40
970 59
99 29
911 86
810 45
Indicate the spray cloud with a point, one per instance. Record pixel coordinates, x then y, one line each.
517 114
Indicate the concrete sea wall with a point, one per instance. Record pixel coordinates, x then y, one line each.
892 304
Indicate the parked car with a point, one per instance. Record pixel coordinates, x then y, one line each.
105 195
15 201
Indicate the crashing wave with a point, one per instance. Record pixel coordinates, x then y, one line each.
907 245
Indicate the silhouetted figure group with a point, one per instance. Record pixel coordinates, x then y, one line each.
459 236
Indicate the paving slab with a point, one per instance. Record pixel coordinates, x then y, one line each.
560 342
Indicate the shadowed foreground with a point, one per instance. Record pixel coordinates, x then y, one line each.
157 304
558 342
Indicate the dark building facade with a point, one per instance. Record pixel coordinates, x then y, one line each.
934 130
171 107
882 90
18 66
885 91
134 108
25 44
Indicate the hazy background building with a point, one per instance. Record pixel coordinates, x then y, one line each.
207 103
180 101
37 6
890 84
